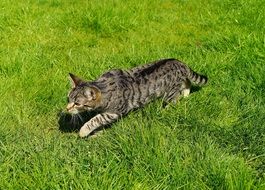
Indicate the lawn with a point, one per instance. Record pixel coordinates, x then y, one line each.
214 139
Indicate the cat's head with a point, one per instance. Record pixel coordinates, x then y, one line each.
83 96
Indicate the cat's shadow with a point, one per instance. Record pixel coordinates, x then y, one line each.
195 89
69 123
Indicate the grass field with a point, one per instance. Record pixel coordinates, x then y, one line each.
215 139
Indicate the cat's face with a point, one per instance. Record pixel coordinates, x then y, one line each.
82 96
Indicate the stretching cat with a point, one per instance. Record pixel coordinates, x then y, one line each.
117 92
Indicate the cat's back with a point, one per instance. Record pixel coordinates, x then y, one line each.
111 74
160 67
163 65
115 79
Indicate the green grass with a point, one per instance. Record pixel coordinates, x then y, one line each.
215 139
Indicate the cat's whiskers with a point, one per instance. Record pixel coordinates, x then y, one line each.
80 117
76 118
73 118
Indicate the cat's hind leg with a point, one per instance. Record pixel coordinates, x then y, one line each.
96 122
179 91
173 96
185 88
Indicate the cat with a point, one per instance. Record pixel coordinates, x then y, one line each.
118 91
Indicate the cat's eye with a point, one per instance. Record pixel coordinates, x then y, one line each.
77 104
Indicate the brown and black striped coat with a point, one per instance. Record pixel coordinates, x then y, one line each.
117 92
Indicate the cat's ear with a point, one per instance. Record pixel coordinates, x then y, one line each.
93 93
75 81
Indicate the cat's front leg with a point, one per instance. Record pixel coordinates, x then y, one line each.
96 122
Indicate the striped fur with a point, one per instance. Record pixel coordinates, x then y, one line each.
197 78
117 92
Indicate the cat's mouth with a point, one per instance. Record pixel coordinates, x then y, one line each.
74 110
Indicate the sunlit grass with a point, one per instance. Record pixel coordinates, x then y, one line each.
214 139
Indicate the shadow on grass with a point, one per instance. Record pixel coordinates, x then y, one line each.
195 89
69 123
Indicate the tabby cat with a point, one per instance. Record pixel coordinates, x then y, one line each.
117 92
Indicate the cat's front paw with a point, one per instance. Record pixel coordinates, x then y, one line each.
83 132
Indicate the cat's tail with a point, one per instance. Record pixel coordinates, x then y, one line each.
197 78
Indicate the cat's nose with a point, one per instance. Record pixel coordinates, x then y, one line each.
69 106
